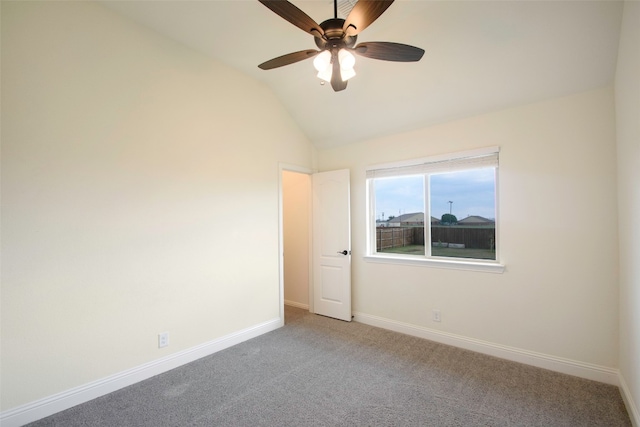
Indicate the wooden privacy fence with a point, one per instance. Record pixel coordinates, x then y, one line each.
470 237
392 237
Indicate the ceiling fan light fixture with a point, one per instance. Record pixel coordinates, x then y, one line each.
336 40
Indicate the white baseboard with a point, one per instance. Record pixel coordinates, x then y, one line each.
558 364
632 409
296 304
50 405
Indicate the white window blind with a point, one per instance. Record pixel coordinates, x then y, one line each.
475 159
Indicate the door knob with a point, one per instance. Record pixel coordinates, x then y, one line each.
345 252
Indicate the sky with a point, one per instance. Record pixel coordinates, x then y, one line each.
471 191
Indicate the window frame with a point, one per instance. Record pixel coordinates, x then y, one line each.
387 169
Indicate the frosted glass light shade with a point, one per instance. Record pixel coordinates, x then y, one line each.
325 74
347 73
322 63
347 60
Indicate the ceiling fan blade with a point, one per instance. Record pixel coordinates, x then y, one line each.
336 77
287 59
363 14
294 15
388 51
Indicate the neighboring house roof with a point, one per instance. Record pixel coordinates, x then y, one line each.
418 217
413 217
410 217
475 219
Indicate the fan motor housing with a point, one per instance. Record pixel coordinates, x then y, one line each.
334 35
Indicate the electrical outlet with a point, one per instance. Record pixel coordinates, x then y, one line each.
163 339
436 316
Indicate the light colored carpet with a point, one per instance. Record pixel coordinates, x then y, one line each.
317 371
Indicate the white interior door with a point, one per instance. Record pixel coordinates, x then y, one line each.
332 244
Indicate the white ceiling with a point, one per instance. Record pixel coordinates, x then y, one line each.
480 56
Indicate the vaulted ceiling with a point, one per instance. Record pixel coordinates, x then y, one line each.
480 56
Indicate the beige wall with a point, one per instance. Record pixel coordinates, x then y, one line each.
627 91
139 183
558 232
296 190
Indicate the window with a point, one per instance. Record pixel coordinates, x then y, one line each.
438 210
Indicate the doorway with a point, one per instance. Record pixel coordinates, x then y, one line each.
296 237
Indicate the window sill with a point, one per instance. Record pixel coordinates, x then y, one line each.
457 264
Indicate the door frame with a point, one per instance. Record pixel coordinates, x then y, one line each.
282 167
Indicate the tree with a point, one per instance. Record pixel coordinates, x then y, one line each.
449 219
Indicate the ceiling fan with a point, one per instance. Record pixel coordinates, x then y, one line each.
336 39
